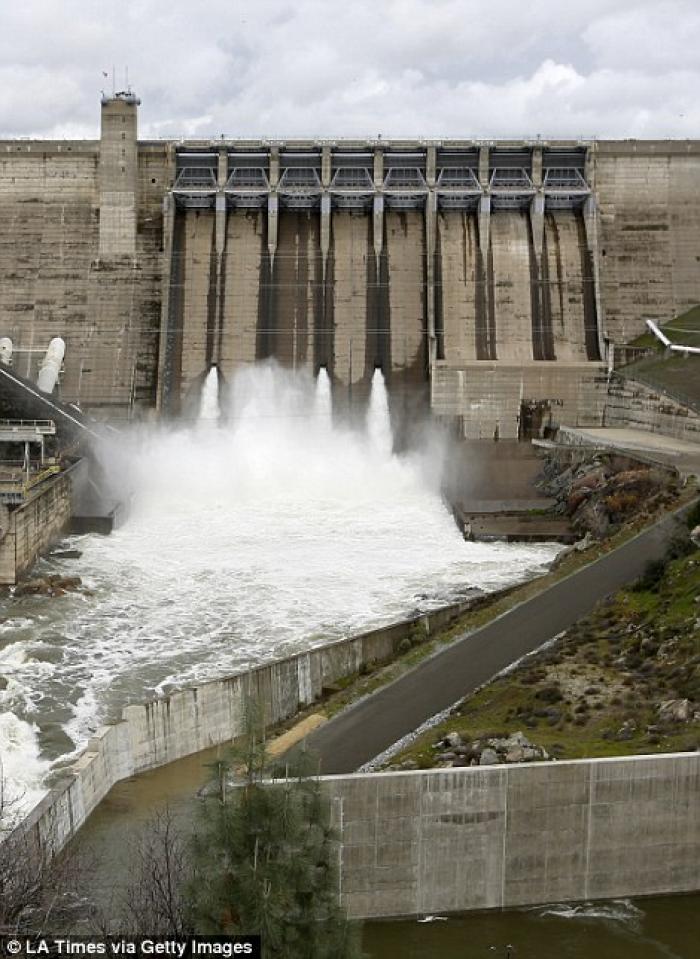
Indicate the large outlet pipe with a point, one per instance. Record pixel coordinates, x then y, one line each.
51 366
6 350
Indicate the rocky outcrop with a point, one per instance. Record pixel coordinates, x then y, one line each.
515 748
52 585
602 492
676 711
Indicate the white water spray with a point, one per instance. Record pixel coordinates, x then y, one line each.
209 409
275 533
378 419
323 403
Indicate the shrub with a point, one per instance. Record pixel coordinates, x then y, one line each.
650 579
549 694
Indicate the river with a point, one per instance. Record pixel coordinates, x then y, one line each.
261 530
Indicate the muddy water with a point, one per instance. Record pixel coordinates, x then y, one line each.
667 927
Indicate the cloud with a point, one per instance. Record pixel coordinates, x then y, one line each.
426 68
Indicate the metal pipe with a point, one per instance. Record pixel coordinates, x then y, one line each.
657 332
6 350
51 367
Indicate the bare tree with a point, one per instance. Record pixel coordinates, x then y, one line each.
38 887
154 901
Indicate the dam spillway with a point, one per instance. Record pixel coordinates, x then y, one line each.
273 532
485 278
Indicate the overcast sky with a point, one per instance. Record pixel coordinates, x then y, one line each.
428 68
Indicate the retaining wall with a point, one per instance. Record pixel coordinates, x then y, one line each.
632 404
488 398
33 526
190 720
507 836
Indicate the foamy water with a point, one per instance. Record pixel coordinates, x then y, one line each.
247 541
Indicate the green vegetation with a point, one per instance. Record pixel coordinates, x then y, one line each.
616 683
265 861
684 328
371 678
258 859
674 372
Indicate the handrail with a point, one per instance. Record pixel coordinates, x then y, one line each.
678 395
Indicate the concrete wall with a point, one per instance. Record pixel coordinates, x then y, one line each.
649 230
630 403
87 253
508 836
488 398
193 719
78 261
33 527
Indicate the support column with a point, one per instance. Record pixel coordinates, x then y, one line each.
168 227
484 225
484 167
273 204
326 167
378 206
536 173
430 165
590 220
378 168
220 228
326 175
430 245
222 168
220 213
537 224
272 217
325 231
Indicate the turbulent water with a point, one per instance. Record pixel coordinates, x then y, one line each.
259 531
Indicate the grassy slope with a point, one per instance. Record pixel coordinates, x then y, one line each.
635 651
678 374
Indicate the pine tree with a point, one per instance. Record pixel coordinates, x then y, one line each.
266 860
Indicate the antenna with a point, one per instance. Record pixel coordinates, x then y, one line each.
114 89
126 80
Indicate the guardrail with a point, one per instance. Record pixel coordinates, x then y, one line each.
678 395
14 488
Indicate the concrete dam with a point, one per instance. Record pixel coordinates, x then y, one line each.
488 280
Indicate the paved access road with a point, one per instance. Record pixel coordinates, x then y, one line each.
370 726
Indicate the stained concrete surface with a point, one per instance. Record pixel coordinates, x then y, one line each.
489 837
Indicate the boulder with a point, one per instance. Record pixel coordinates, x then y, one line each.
52 585
591 479
519 739
592 517
695 536
576 499
453 740
676 710
626 731
489 757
